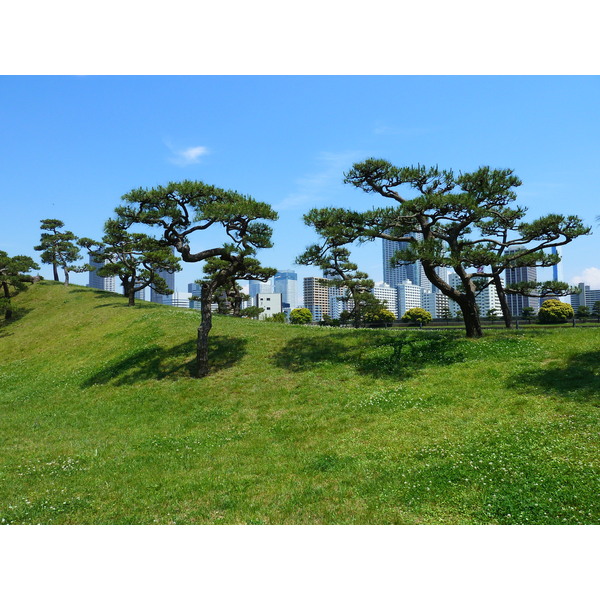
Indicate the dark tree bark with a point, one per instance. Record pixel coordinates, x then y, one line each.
506 314
55 271
8 313
206 295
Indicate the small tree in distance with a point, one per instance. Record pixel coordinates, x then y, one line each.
300 316
596 310
135 258
583 312
417 316
528 313
59 249
555 311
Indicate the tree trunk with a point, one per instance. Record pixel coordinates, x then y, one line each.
8 313
468 307
506 314
203 331
66 276
131 297
55 271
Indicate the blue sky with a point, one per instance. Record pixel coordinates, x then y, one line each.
74 145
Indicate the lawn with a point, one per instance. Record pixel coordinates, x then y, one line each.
103 424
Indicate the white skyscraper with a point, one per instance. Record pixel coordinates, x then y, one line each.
409 296
389 295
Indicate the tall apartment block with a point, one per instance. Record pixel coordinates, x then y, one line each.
389 295
409 296
585 297
396 275
316 297
518 302
108 284
285 283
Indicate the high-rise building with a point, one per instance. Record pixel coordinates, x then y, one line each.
164 298
389 295
396 275
316 297
517 302
585 297
108 284
409 296
285 283
557 270
170 281
259 287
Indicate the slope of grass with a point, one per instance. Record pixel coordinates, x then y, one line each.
102 423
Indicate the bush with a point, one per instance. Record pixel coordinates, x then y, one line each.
300 316
417 316
555 311
381 315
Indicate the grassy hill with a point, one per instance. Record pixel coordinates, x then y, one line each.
102 423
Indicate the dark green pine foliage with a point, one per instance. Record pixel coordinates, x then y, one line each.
467 222
135 258
185 210
14 277
60 249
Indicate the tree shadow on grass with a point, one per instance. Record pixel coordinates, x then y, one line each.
381 355
156 363
17 314
578 380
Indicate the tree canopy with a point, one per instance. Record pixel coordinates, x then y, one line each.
465 221
135 258
14 276
183 210
59 249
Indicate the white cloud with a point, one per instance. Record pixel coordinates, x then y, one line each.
187 156
589 276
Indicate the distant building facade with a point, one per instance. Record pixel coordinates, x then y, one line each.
270 302
316 297
285 283
108 284
517 302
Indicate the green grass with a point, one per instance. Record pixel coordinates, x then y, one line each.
102 422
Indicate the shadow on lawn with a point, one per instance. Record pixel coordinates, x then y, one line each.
17 314
381 355
155 363
578 380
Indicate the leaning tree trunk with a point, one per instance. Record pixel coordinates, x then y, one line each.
506 314
204 330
